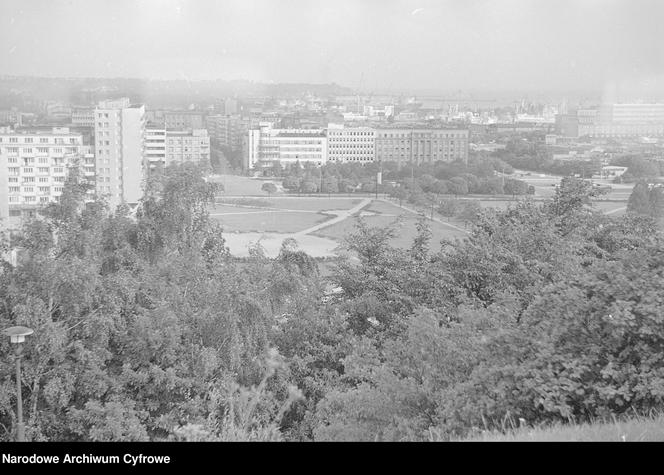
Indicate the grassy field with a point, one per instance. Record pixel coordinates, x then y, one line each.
314 204
269 221
613 208
240 185
638 429
382 214
298 214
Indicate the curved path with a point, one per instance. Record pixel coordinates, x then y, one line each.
341 215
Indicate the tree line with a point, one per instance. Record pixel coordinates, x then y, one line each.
478 176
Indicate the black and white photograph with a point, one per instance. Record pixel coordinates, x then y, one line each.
329 221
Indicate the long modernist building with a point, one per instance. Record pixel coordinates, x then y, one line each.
342 144
613 120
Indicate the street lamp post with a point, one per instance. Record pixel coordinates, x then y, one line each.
17 336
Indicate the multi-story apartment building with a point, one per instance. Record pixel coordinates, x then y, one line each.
227 130
191 146
119 151
421 145
34 164
266 146
633 113
614 120
83 117
351 144
165 147
58 111
11 117
182 120
155 146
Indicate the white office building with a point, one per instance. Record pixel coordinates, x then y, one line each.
266 146
351 144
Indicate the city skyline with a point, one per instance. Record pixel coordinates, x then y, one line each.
507 45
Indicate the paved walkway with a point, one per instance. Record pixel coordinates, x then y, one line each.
616 210
428 217
341 215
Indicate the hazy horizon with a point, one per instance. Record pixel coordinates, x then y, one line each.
608 47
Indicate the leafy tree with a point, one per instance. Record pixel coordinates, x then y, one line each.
515 187
291 182
309 186
458 186
639 200
330 185
470 211
269 188
448 208
347 185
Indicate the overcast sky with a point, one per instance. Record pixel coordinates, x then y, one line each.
388 45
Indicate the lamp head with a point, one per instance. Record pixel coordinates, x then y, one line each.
18 334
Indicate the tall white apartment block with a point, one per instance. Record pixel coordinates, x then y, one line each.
119 146
34 164
351 144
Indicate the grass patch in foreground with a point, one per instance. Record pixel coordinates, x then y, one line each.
270 221
637 429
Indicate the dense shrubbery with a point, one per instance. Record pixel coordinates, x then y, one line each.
145 325
147 328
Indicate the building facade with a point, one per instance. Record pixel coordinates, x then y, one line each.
34 165
83 117
166 147
119 151
614 120
266 146
421 145
181 120
351 144
227 130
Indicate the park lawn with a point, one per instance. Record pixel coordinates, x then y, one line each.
228 208
235 185
314 203
610 206
270 221
387 214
